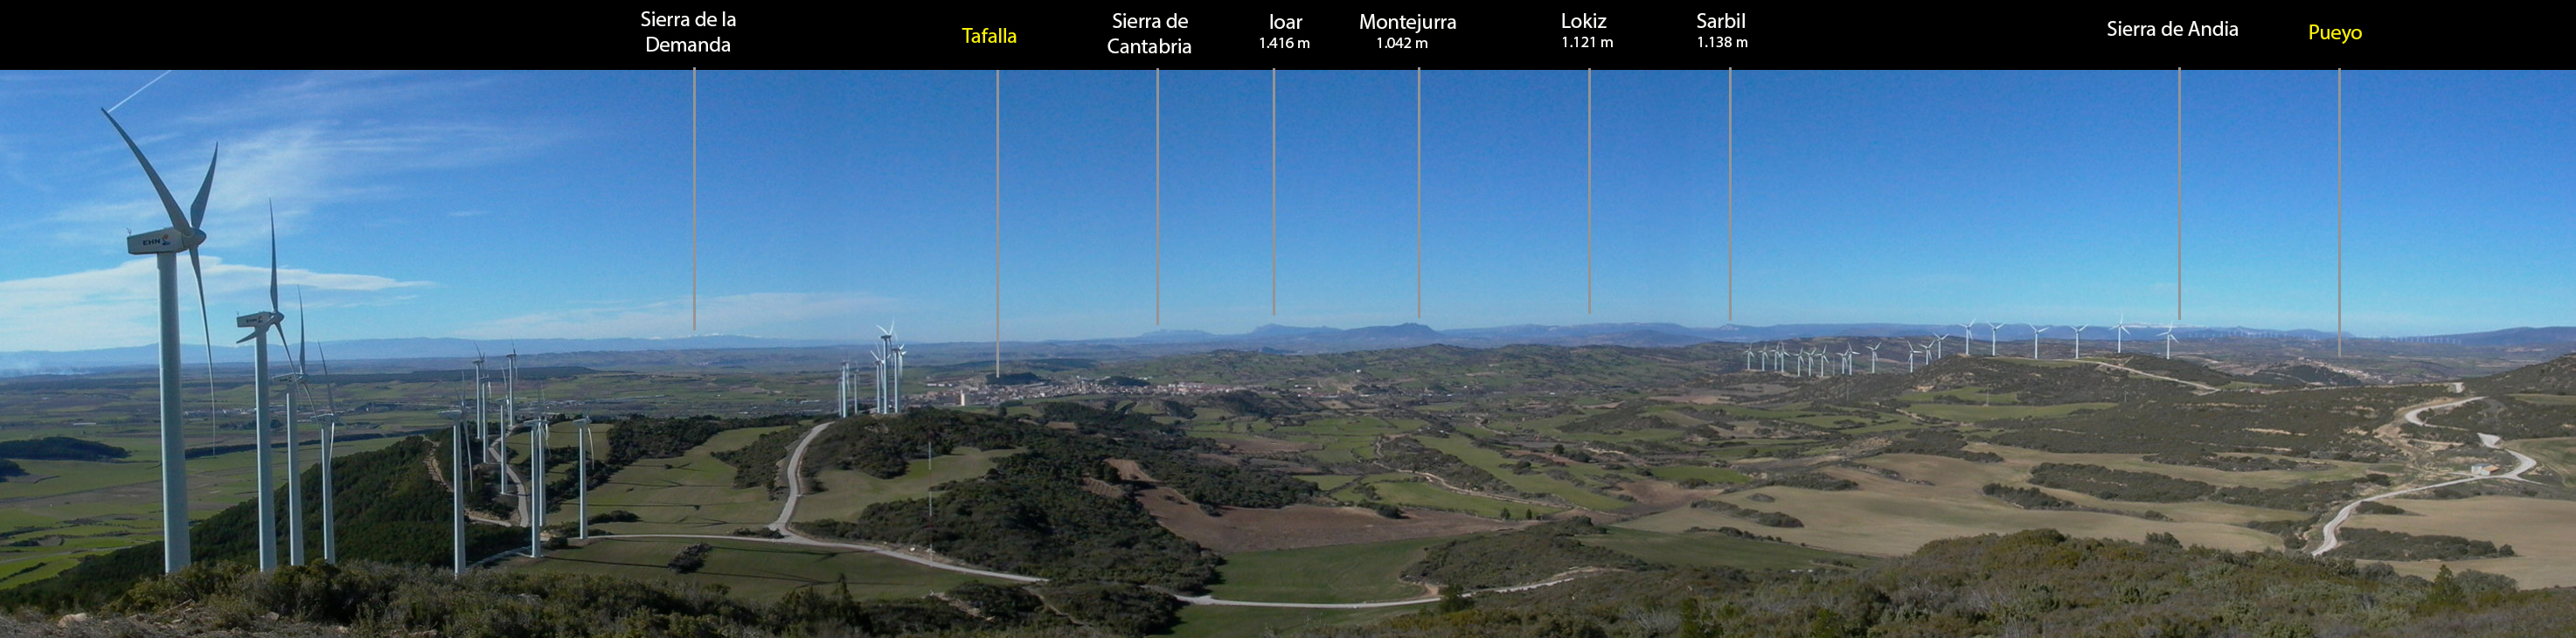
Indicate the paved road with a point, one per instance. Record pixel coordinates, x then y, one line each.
796 492
2151 375
2521 464
796 477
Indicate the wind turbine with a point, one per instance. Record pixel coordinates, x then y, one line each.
1910 353
2169 339
845 390
584 514
2120 337
1994 339
1848 353
264 462
456 487
1968 338
2079 340
330 435
510 413
2034 338
185 234
482 434
1873 357
1935 348
535 484
896 386
295 471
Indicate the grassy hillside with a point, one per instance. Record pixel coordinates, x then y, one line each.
390 510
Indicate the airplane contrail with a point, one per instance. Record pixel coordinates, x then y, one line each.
139 91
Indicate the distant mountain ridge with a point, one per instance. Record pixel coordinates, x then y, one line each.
1271 338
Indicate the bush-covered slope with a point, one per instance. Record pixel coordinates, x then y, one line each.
389 508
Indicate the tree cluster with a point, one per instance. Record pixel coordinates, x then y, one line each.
61 448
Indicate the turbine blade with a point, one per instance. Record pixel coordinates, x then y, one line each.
207 326
254 334
176 221
300 327
197 211
272 256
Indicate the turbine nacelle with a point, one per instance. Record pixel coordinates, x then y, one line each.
166 240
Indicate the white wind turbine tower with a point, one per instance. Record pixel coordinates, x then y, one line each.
1910 353
2169 340
330 434
2079 340
1994 339
535 484
509 414
2120 337
482 434
1748 358
294 471
845 390
1848 353
1934 348
263 462
456 493
1968 338
880 405
185 234
2034 338
1873 357
581 483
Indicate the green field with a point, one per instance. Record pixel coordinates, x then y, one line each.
2546 399
843 493
1345 439
79 508
1701 472
753 570
1419 493
1363 572
1962 395
691 494
1207 621
1494 463
1328 482
2558 454
1974 413
1709 549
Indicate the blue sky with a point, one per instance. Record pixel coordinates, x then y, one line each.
513 204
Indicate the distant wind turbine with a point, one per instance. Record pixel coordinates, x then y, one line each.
1994 339
2079 340
2034 338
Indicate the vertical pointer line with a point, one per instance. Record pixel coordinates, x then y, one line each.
1730 194
2177 193
997 223
1587 191
2338 212
1157 197
1417 192
693 199
1274 191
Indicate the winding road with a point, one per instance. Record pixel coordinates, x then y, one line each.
2522 464
796 493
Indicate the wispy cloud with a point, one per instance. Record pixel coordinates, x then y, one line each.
117 307
768 314
295 144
